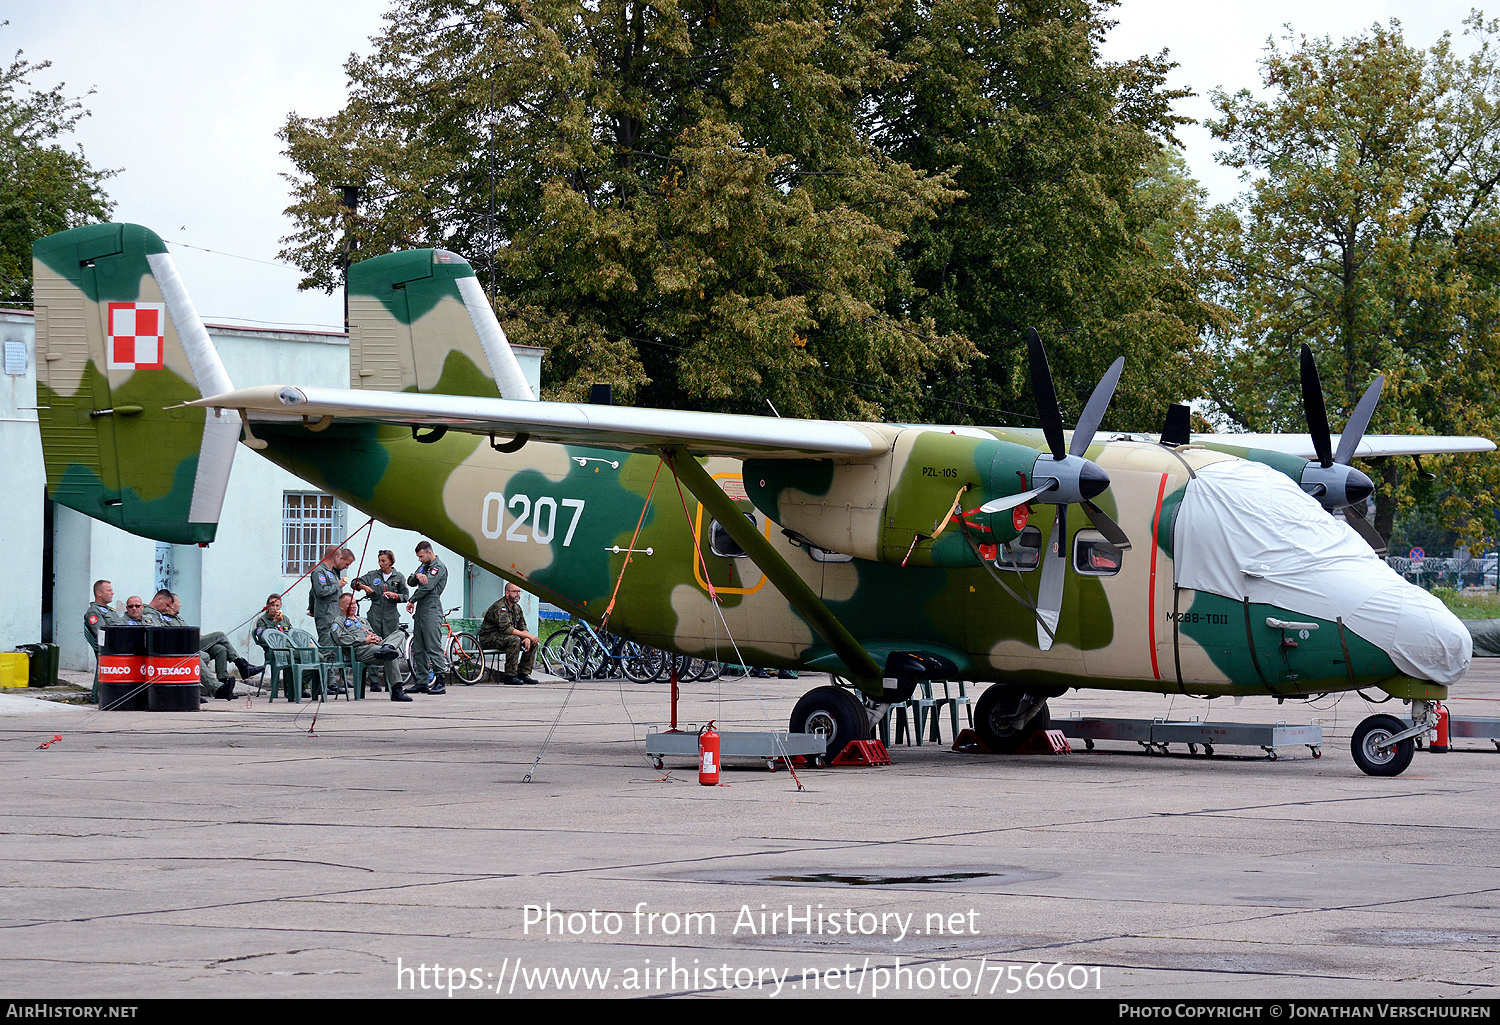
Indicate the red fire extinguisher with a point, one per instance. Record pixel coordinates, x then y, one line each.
708 755
1440 742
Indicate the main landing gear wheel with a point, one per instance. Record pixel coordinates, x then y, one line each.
833 712
995 715
1372 751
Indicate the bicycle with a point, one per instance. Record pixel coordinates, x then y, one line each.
460 650
581 653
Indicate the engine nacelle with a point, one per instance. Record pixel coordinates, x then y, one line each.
875 509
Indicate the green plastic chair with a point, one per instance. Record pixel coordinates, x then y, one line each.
281 661
309 659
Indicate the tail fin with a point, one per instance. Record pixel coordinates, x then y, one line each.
119 347
418 321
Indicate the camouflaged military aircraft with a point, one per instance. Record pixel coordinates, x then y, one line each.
882 553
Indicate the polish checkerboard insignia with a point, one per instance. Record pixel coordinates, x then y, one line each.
137 333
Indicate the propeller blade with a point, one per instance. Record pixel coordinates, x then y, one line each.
1011 501
1088 423
1363 529
1358 421
1050 595
1314 410
1046 395
1107 526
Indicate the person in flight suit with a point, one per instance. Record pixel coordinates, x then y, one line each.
504 629
328 582
96 617
272 620
387 591
215 646
426 603
368 646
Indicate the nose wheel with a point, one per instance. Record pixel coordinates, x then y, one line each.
1376 749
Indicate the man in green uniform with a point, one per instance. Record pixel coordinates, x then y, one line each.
328 582
428 666
504 629
96 617
387 591
215 646
368 646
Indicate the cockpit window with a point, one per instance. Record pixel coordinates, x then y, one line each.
1095 557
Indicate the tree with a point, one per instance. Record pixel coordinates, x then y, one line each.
44 188
680 197
1077 218
1372 233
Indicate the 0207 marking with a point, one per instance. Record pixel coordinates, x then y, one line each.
542 512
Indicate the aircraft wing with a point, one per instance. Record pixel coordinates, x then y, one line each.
626 428
1370 445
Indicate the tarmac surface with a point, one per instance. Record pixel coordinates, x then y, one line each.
379 850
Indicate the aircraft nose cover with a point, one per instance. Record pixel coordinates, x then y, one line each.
1245 530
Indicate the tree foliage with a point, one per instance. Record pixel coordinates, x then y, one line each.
720 202
44 188
1372 233
1077 219
679 198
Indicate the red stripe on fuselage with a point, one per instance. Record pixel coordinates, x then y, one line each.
1151 595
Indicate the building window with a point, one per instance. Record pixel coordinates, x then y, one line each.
307 529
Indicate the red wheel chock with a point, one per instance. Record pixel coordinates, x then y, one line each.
1049 742
863 752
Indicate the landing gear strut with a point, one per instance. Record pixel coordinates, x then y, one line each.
1383 745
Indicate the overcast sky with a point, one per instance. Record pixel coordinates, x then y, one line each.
188 97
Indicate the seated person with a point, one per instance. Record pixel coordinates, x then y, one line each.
504 629
271 619
215 646
369 648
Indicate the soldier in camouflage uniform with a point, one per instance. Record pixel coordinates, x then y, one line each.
369 647
428 665
387 591
504 629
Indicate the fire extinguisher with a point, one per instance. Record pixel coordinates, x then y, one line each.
708 755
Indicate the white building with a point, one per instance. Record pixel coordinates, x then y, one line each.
59 553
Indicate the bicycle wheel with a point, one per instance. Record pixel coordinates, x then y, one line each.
551 655
711 672
467 658
641 664
404 664
581 655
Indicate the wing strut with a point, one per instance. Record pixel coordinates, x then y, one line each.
863 669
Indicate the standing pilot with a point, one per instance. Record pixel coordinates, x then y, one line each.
426 602
387 591
328 582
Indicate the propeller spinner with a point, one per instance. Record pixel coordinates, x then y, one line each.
1063 477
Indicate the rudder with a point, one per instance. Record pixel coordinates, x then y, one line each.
119 347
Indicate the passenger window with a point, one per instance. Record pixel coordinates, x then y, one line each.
1023 553
724 546
1095 557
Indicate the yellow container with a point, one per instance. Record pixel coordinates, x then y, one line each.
15 669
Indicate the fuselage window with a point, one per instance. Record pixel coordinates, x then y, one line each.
724 546
1095 557
1023 553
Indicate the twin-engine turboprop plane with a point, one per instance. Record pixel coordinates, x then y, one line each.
882 553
